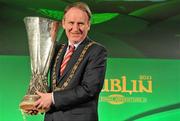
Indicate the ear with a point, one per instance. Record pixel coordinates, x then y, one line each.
63 23
89 25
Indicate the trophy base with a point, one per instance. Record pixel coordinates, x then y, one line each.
28 103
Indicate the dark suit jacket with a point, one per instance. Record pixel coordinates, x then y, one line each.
79 100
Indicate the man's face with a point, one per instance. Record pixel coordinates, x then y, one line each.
76 25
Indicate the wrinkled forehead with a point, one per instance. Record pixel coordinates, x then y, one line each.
76 13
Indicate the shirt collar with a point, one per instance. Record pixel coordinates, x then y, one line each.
75 45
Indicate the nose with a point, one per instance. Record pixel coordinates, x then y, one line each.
75 27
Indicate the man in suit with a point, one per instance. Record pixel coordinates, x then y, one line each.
77 71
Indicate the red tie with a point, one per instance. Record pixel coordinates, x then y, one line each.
66 58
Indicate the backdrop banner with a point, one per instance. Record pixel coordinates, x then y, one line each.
134 89
141 89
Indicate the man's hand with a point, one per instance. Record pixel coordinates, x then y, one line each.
44 102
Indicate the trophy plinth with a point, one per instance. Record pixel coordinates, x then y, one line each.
41 38
28 103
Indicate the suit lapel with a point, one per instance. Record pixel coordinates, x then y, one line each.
59 61
73 59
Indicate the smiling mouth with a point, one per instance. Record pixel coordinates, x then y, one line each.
75 34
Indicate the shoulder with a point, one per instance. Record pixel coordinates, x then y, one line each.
58 46
97 46
97 49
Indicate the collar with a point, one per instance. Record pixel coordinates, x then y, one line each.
75 45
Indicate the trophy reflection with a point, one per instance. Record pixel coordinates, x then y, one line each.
41 39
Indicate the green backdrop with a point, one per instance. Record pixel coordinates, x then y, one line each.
134 89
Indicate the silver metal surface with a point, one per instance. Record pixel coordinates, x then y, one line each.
41 38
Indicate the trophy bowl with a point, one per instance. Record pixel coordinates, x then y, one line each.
41 39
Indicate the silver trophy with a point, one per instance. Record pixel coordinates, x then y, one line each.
41 38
